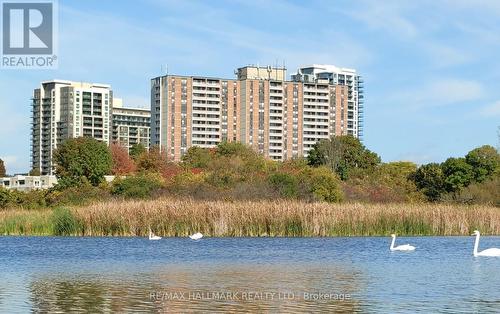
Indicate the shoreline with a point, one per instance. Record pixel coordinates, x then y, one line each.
240 237
179 217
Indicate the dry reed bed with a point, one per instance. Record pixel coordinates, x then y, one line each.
180 217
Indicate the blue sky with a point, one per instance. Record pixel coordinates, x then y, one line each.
431 68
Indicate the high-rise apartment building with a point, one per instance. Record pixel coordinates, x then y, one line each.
280 119
65 109
353 124
130 125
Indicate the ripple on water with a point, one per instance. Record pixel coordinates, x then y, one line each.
245 275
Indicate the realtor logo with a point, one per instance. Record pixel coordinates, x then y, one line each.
29 34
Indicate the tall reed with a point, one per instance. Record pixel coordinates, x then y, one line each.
181 217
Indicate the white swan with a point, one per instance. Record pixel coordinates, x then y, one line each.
405 247
196 236
152 236
488 252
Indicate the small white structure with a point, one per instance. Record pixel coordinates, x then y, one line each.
28 183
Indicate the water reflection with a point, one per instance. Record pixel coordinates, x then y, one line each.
122 275
215 288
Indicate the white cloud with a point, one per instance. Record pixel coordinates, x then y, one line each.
441 92
387 17
443 55
491 110
14 164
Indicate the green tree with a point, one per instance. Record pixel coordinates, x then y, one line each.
485 161
317 155
457 174
2 168
197 157
430 179
136 151
235 149
343 155
82 159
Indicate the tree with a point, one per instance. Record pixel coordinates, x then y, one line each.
285 184
343 155
397 178
82 159
136 151
228 149
324 185
152 161
430 179
34 172
122 163
457 174
2 168
485 160
197 157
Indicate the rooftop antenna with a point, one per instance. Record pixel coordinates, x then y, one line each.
284 70
276 67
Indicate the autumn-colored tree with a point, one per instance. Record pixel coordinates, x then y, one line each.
152 160
2 168
156 161
122 163
136 151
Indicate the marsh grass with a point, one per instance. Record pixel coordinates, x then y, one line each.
182 216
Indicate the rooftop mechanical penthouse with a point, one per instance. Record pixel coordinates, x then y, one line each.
280 119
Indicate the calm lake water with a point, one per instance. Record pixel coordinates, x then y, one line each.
58 274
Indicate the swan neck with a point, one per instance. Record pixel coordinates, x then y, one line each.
476 244
392 242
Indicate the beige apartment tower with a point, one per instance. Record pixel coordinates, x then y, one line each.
278 118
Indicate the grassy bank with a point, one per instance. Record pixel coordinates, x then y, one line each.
180 217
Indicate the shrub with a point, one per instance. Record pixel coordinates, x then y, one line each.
29 200
324 185
76 195
388 182
285 184
5 198
197 157
141 186
486 192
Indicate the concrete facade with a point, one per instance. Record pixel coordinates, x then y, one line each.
28 183
63 110
279 119
131 126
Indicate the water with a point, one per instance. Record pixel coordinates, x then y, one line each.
58 274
